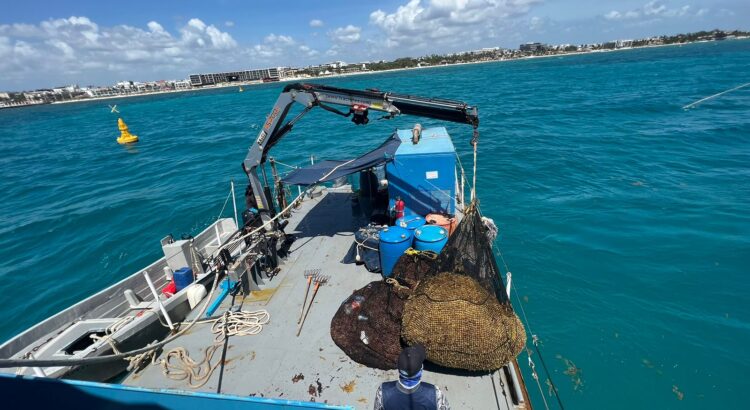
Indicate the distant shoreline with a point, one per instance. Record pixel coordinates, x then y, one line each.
297 79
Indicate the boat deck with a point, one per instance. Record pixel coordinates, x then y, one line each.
271 364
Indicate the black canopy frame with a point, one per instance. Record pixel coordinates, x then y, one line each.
329 170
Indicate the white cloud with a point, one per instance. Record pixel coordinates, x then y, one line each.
613 15
682 11
197 32
229 23
67 51
625 15
631 14
652 10
316 23
419 25
76 49
24 49
5 46
280 49
156 28
348 34
308 51
197 24
280 39
220 39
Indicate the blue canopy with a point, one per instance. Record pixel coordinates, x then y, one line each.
329 170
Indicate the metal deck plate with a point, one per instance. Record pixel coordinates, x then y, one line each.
266 364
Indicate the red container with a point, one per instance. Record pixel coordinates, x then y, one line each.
169 290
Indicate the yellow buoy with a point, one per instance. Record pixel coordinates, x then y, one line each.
125 136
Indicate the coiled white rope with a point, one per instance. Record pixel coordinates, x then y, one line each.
242 323
178 365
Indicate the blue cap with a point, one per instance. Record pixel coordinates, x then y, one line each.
410 222
395 234
431 233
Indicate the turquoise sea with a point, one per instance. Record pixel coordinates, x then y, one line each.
624 218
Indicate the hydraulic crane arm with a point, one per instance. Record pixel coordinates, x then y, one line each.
359 103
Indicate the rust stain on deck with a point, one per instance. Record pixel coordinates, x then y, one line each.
263 295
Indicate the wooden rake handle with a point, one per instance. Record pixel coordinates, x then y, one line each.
315 292
302 309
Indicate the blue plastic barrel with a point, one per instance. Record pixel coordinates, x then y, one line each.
394 240
183 277
430 238
410 222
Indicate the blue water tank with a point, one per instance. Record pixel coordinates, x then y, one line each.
394 240
430 238
183 277
410 222
423 174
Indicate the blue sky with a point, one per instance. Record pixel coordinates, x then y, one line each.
50 43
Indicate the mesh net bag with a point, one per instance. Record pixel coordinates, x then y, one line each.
413 266
383 306
461 324
469 252
463 317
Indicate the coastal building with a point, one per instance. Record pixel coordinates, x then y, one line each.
624 43
125 85
486 50
286 72
533 47
354 68
181 85
657 41
34 95
264 74
336 65
65 89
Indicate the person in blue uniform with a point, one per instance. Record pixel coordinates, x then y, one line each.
409 392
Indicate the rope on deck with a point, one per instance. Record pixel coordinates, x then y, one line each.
242 323
178 365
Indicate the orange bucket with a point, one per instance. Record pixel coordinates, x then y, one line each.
447 222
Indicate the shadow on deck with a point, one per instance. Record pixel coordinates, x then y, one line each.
334 214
